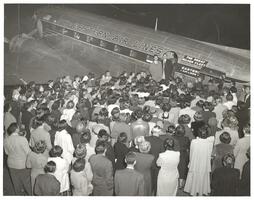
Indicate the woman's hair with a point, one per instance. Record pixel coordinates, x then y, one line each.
40 147
169 144
228 160
12 128
147 117
122 138
203 132
38 121
180 130
50 167
166 107
229 97
144 147
79 165
56 151
85 137
225 138
137 114
62 125
103 112
171 129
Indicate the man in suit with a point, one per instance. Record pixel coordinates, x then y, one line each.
102 172
129 182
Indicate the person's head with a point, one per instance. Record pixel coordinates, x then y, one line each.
247 89
155 58
138 140
13 128
169 144
55 105
80 151
40 146
180 130
233 89
156 131
228 160
103 113
147 117
70 104
144 147
103 135
130 158
115 113
38 121
203 132
62 125
225 138
79 165
85 136
100 147
171 130
229 97
56 151
122 138
246 129
80 127
138 113
50 167
166 107
198 116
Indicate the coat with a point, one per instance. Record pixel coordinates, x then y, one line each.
102 175
225 181
61 173
240 152
40 134
63 139
120 150
167 183
37 163
198 178
79 183
133 187
46 185
143 165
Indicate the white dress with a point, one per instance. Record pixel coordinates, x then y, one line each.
167 183
63 139
198 178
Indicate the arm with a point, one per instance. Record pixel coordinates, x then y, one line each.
159 161
89 173
109 176
141 187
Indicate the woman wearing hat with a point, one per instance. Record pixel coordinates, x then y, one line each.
167 183
144 165
36 160
199 122
198 178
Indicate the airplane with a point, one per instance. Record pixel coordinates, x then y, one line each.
73 42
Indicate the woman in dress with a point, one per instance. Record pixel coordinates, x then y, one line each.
121 149
198 178
184 144
167 183
144 164
36 160
63 139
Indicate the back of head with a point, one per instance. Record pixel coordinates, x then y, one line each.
169 144
180 130
144 147
203 132
122 138
147 117
171 130
229 97
138 113
50 167
40 146
85 137
56 151
80 151
103 135
62 125
225 138
100 147
130 158
228 160
12 128
79 165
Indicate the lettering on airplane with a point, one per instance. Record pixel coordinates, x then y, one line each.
110 36
195 61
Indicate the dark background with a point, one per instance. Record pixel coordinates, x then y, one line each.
224 24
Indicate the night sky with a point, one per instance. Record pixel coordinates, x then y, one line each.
222 24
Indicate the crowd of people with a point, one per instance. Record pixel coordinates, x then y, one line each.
129 135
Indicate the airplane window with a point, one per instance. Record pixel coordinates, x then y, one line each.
103 43
89 39
76 35
117 48
133 53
